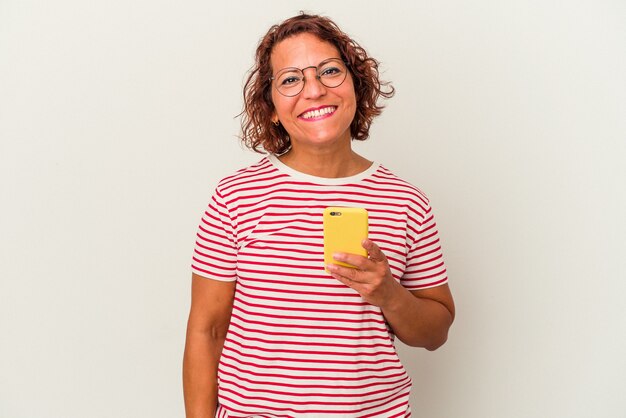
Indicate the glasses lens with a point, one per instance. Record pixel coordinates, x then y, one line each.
332 72
289 81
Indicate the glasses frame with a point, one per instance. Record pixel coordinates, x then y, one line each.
317 75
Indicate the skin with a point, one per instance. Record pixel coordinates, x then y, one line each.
211 307
319 147
419 318
322 148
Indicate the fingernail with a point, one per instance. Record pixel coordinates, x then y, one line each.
338 256
331 267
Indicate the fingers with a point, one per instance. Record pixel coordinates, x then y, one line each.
355 260
375 254
347 273
370 277
345 280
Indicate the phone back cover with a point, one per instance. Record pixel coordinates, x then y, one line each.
344 233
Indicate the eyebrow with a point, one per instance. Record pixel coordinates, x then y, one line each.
291 68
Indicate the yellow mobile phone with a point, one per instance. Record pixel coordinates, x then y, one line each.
344 230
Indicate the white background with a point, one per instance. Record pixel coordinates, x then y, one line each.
117 118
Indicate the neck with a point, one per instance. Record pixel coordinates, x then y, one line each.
329 163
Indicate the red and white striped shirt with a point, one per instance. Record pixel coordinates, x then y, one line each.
300 343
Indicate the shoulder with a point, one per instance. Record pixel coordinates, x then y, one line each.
244 175
251 182
388 178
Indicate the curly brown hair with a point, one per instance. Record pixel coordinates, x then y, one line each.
258 131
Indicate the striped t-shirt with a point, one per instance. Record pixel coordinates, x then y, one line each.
300 343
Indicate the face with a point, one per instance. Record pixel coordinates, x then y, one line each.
319 116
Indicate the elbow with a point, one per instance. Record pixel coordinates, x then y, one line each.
219 333
430 342
440 336
436 343
436 340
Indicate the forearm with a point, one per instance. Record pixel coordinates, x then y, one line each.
419 318
417 321
202 353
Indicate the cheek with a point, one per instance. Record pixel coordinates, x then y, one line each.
278 99
282 104
350 94
351 102
275 103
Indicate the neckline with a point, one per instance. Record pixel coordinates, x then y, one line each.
280 166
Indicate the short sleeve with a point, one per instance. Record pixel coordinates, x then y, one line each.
424 263
215 252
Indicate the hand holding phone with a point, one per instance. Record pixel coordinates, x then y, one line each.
344 231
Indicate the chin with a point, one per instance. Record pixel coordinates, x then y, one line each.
327 137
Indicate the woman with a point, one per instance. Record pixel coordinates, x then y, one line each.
281 335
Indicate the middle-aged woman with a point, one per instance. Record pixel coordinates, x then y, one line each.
271 333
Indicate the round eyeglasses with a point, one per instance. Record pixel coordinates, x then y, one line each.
290 81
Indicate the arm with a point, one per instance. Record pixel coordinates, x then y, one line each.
211 307
419 318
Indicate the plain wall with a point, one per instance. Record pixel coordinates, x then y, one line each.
117 118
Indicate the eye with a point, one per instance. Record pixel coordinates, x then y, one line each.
330 71
289 80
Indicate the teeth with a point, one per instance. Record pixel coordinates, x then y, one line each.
319 112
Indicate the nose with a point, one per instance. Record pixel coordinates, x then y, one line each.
313 87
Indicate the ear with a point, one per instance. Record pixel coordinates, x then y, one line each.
274 118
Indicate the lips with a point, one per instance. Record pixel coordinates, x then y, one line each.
318 113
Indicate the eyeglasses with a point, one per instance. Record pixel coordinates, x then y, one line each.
290 81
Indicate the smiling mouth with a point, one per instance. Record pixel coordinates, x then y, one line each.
318 113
